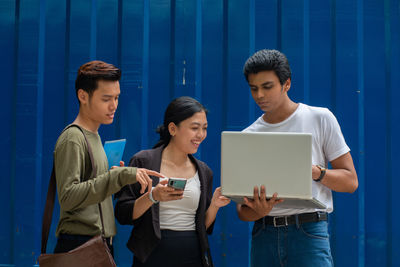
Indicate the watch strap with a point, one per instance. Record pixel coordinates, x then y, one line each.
321 176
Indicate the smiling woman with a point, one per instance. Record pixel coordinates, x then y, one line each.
178 111
174 223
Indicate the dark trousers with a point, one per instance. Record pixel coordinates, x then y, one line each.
67 242
176 249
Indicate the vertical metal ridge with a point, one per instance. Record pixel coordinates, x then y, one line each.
199 47
119 33
361 140
225 50
39 123
199 62
14 133
117 122
333 56
388 86
172 50
66 58
279 25
252 41
93 30
145 73
306 51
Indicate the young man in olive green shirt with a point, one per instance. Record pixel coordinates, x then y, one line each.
79 190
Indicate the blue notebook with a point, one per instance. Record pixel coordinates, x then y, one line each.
114 150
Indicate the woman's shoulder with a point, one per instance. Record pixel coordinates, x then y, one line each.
145 153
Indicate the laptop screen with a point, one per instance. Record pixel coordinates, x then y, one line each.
280 161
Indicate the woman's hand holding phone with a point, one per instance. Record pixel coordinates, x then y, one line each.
163 192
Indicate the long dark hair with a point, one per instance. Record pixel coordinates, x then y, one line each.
178 110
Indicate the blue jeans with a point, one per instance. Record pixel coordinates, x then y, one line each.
306 245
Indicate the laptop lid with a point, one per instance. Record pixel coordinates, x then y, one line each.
280 161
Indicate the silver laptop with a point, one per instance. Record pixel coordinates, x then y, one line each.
280 161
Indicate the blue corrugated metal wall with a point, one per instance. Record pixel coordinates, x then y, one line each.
345 54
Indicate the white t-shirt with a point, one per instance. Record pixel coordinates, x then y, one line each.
327 144
179 215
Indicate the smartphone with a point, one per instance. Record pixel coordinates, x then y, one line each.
177 183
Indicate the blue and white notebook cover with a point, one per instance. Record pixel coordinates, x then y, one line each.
114 150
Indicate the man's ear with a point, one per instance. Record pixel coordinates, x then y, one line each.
286 85
83 96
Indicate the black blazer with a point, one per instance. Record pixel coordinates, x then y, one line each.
146 233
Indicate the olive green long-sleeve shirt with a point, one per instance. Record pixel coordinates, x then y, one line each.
78 194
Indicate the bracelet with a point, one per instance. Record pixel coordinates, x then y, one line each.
151 196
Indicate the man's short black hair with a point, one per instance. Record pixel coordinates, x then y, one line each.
268 60
92 72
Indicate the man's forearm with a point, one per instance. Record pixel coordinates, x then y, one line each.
340 180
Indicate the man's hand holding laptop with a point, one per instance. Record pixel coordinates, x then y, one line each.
260 204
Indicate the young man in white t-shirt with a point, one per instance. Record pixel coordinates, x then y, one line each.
294 237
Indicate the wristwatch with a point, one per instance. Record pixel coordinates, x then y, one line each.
321 176
151 196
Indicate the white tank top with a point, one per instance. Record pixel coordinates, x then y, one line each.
179 215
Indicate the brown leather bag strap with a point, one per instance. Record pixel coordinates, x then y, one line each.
51 192
102 223
48 210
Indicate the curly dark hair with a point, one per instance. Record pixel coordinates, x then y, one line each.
268 60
